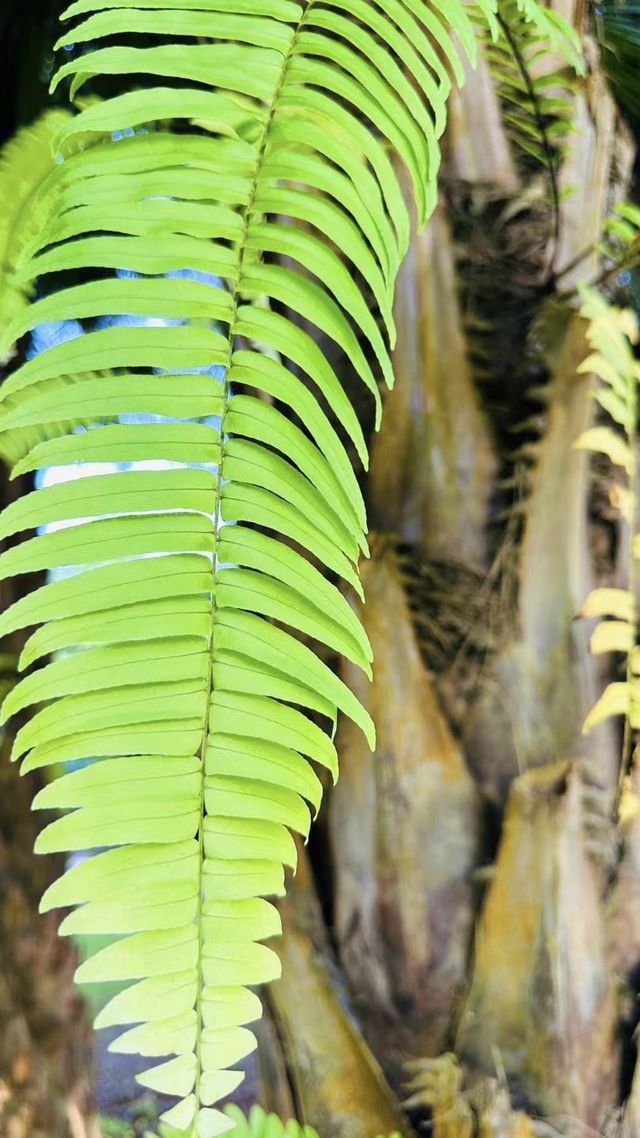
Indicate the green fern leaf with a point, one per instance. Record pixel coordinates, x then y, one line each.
619 39
257 1124
25 162
611 334
525 58
199 574
621 236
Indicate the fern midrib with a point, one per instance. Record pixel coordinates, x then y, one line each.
242 246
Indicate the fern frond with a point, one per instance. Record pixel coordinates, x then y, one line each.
25 162
202 715
554 32
535 89
611 334
258 1124
618 29
620 243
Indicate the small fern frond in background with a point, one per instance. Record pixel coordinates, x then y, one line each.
258 1124
554 33
620 243
618 30
611 333
25 162
532 82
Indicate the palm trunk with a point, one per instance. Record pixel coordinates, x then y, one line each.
542 681
493 1011
542 1000
433 465
406 835
335 1080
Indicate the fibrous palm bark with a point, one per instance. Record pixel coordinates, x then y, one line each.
481 917
405 825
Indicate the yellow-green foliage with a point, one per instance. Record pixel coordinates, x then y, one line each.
611 333
259 1124
25 162
533 58
621 238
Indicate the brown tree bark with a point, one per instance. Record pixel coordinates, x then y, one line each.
406 835
542 1003
336 1083
521 1026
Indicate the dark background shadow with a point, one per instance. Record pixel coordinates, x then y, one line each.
27 32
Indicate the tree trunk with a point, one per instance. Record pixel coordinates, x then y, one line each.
336 1082
406 835
487 931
